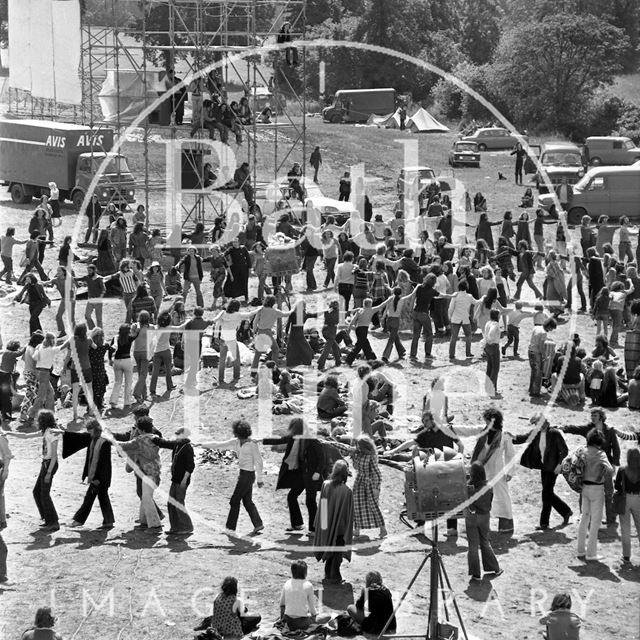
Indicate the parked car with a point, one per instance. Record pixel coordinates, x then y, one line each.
464 152
611 150
425 177
492 138
560 160
609 191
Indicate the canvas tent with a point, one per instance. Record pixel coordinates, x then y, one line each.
423 122
420 122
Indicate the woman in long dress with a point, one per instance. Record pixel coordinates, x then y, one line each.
237 283
366 487
299 351
556 288
406 287
105 264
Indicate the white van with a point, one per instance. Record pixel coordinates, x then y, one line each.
609 191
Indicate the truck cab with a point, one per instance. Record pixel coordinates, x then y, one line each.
116 182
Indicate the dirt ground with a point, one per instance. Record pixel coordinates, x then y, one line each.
127 584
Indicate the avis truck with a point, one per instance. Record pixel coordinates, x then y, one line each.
34 153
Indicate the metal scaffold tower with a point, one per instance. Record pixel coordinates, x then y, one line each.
189 36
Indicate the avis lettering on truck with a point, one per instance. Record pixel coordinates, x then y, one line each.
34 153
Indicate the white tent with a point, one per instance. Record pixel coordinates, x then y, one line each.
390 121
423 122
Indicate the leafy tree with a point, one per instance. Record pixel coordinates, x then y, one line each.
479 29
547 71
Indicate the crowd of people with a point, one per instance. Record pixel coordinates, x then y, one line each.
415 293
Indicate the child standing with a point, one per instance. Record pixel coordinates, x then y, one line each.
250 465
514 318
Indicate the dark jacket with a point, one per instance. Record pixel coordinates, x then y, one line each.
182 458
311 460
611 445
555 451
186 264
73 442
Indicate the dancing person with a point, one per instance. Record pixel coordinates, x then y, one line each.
478 525
239 260
492 351
610 446
80 344
393 310
264 324
345 278
334 524
250 466
627 483
34 296
122 363
30 377
182 468
143 302
527 270
139 244
46 421
99 377
546 451
494 450
162 352
144 454
7 242
597 469
191 266
96 471
8 359
229 320
366 487
424 295
301 470
95 296
460 310
129 282
361 320
31 259
330 333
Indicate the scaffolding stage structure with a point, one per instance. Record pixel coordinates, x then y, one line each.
190 35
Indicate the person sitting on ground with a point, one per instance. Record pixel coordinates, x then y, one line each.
297 601
42 627
377 598
229 617
561 623
330 404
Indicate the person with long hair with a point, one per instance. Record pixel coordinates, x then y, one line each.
139 244
597 469
301 470
118 238
627 482
495 452
228 320
42 491
482 309
8 359
527 270
477 518
142 301
34 296
373 610
560 622
42 626
141 355
334 524
330 255
129 282
250 465
366 487
99 377
239 261
157 289
120 359
230 617
30 378
65 283
43 357
80 344
162 351
191 265
393 310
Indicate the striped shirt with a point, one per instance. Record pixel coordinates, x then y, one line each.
128 281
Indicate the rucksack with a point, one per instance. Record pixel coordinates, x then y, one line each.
572 468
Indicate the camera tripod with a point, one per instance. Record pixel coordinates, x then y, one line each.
438 580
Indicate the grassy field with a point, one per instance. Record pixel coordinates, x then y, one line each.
125 584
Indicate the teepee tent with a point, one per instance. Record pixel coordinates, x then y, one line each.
423 122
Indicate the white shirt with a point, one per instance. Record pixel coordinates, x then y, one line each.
344 273
460 307
249 457
48 441
543 443
297 598
44 356
441 284
492 332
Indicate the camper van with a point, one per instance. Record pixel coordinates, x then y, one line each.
611 150
609 191
356 105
